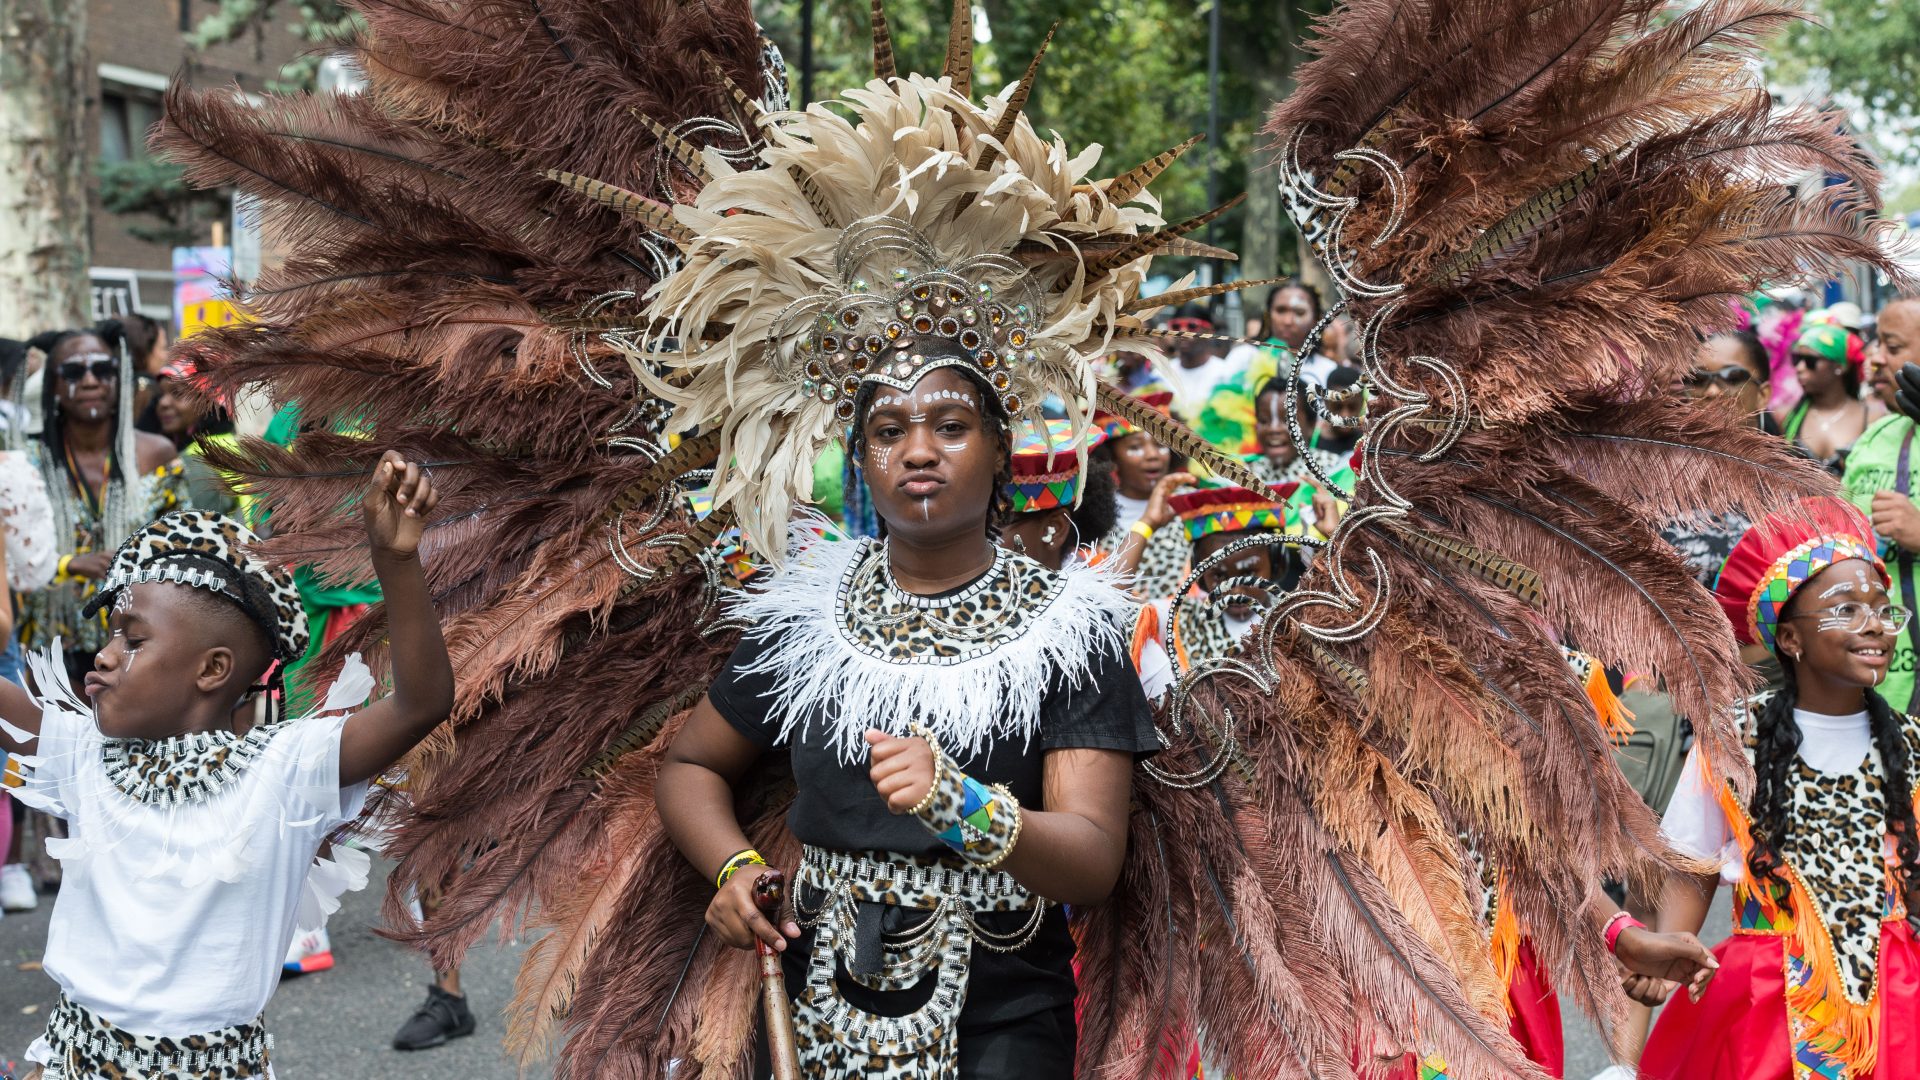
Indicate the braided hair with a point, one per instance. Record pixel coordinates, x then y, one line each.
994 421
1778 739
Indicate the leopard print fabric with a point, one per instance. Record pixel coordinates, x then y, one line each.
834 1038
1837 847
1163 565
1201 633
185 768
86 1046
155 554
886 622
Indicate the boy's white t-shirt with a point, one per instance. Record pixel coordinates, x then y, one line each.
175 920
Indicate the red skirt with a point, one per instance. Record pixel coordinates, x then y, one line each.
1738 1031
1534 1021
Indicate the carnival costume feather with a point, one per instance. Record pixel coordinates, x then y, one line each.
1527 208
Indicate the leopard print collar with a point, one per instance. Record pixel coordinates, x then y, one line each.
1201 632
183 769
886 622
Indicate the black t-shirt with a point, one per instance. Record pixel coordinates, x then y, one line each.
837 808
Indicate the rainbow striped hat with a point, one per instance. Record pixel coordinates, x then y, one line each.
1230 509
1047 467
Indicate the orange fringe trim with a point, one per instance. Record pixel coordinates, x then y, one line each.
1504 942
1615 719
1847 1031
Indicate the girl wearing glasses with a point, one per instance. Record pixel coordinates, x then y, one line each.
1821 977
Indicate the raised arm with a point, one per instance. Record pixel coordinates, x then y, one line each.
396 506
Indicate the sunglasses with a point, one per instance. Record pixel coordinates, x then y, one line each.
104 368
1801 359
1732 376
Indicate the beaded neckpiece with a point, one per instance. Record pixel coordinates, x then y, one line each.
183 769
883 620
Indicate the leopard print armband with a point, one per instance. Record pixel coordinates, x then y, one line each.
980 823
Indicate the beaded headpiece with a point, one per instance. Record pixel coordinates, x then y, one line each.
205 550
914 215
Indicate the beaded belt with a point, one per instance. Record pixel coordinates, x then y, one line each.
86 1044
836 1038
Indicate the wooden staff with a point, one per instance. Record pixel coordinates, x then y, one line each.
769 890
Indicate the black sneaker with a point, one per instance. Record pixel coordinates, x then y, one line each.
443 1017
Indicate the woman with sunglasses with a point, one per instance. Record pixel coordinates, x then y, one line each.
1830 416
1732 371
1821 977
104 479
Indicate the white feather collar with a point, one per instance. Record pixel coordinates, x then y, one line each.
822 674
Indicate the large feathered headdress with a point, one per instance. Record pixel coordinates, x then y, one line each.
910 213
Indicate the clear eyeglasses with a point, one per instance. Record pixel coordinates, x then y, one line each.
1852 617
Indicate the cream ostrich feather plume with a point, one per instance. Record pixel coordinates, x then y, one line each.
903 213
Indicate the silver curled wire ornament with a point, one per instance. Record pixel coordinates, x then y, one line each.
1345 609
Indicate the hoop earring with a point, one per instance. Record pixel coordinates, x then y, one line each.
1019 544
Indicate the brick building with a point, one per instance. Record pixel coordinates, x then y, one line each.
135 47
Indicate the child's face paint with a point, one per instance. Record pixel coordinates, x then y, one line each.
171 664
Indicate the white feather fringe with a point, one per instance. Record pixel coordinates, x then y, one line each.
819 677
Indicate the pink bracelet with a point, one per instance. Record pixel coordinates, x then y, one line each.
1618 925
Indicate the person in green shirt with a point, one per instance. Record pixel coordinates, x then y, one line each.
1880 481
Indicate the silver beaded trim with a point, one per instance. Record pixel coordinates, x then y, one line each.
87 1044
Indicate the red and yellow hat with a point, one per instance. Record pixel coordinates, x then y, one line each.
1047 467
1782 553
1230 509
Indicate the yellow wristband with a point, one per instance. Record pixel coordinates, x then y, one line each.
749 857
60 572
1142 530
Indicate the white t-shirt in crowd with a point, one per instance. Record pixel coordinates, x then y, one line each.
174 921
1696 825
1191 386
1313 369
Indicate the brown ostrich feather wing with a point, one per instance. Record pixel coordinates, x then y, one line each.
1530 210
443 297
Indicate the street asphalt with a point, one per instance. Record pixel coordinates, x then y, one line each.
337 1025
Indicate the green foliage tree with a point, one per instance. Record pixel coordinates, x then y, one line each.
314 21
1867 54
156 190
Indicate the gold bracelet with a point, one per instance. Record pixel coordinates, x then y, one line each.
1013 836
939 769
748 857
1142 530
